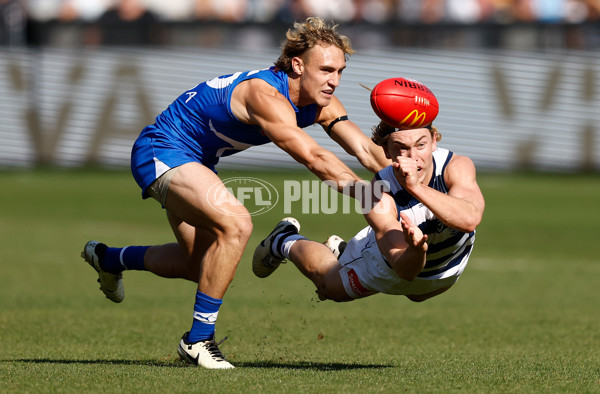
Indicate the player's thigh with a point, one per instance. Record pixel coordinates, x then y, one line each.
198 197
331 286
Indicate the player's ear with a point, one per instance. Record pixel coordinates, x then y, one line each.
298 65
385 150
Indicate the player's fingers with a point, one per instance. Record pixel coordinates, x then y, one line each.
405 226
406 219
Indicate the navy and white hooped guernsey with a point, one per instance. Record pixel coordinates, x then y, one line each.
448 248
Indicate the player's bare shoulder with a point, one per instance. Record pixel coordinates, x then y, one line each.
253 96
459 168
254 88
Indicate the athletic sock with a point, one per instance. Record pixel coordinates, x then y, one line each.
206 310
117 260
282 244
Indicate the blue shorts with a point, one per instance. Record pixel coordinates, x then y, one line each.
153 154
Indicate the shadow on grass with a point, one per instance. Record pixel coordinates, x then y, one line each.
176 363
310 365
147 363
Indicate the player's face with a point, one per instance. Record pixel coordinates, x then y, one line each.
416 144
320 74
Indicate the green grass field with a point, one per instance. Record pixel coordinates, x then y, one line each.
524 317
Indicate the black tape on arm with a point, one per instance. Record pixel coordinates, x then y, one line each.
341 118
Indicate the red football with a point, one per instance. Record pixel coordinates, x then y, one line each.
404 103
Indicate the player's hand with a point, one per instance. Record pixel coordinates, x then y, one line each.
413 235
406 172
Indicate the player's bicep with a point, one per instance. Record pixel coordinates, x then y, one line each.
277 119
462 182
267 108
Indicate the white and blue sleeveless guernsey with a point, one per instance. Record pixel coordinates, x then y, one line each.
448 248
200 127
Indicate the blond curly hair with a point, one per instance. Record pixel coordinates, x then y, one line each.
382 131
303 36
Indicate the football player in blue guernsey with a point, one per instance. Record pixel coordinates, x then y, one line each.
421 229
174 160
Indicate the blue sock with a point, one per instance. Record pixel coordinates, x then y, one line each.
206 310
116 260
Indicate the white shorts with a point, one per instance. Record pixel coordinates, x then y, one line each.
364 271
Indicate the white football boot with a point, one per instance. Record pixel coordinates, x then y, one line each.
204 353
110 284
263 262
336 245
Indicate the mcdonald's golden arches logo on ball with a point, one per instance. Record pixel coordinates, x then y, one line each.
404 103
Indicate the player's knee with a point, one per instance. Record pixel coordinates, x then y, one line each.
332 293
244 228
417 298
425 297
322 292
238 230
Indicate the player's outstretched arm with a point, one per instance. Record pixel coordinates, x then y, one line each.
270 110
403 244
350 137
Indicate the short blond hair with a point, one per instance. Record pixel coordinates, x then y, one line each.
382 131
302 37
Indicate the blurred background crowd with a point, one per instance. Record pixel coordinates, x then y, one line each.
138 22
372 11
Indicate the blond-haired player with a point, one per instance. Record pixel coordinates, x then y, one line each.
174 160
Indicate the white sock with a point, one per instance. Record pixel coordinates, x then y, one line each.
283 243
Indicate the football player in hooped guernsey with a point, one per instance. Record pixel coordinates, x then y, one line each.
421 230
174 160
